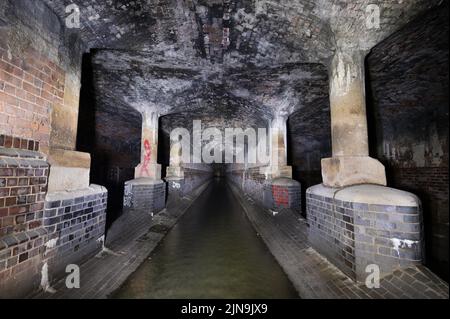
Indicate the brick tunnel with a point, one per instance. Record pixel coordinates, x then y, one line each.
303 143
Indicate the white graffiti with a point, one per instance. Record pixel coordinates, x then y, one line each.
51 243
128 196
176 185
402 243
45 282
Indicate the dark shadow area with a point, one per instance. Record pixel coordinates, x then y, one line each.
112 139
309 140
407 106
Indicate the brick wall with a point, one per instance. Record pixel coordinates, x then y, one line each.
40 70
193 179
431 185
408 82
30 85
23 185
251 181
281 196
276 195
38 228
149 196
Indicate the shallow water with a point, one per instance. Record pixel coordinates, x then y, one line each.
212 252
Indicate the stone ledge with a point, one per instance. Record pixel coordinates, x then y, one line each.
66 195
10 162
12 240
21 154
144 181
367 194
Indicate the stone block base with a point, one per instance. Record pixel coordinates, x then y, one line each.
282 193
348 171
364 225
69 170
145 194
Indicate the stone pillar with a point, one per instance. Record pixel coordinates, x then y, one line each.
350 164
175 172
147 191
74 215
354 220
280 190
149 168
70 170
278 151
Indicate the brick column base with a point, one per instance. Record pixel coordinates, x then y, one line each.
145 194
176 186
365 225
282 193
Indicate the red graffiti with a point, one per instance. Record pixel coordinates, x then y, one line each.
280 196
147 158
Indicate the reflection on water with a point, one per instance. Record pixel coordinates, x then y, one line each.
213 252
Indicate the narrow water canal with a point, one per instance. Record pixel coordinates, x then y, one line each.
213 252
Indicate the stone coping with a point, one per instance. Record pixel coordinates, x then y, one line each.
240 167
283 181
21 154
197 167
144 181
174 178
92 189
12 240
367 194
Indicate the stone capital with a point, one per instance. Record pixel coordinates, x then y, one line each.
352 170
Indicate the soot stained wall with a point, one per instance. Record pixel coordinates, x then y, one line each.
112 138
309 140
408 76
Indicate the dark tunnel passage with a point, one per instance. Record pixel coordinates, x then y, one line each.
213 252
113 138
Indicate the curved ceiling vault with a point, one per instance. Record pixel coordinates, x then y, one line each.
237 59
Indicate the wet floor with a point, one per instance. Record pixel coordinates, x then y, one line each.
212 252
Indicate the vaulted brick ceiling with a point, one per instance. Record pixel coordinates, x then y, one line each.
240 59
260 31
